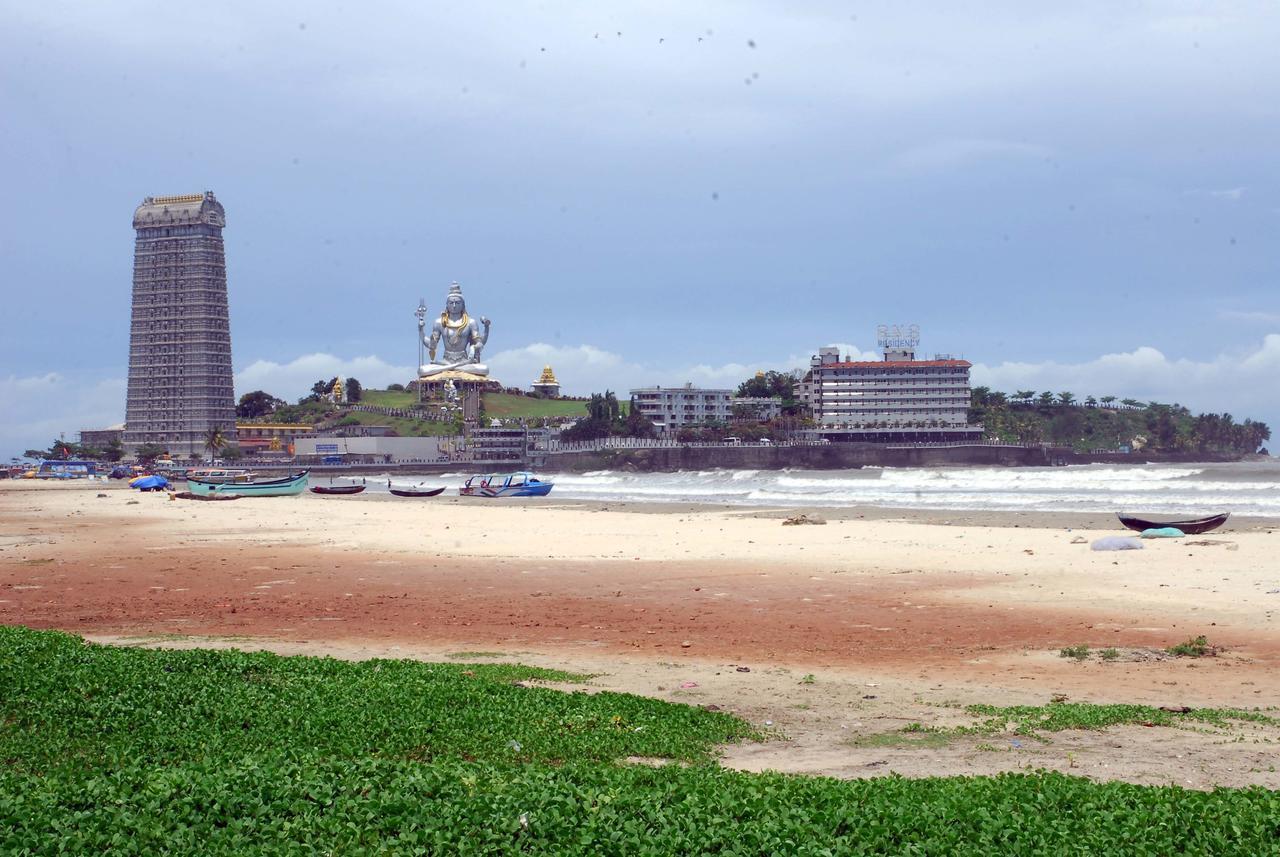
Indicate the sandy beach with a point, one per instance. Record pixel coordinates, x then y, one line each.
847 630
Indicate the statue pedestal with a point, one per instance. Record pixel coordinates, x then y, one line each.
469 387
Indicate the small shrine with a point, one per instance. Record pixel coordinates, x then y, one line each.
547 386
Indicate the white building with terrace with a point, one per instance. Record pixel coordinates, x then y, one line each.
674 408
894 400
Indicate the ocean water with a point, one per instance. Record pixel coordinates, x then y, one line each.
1244 488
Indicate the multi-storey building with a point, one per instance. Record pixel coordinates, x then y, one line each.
673 408
179 336
899 398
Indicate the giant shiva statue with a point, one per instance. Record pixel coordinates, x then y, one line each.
462 335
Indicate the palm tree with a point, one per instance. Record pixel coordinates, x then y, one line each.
1024 396
1066 398
1107 400
214 440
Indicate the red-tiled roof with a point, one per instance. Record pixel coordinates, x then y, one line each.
897 364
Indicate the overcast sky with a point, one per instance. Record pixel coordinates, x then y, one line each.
1074 196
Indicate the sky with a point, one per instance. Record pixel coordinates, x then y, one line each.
1080 196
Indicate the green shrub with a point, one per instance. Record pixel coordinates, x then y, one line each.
1196 647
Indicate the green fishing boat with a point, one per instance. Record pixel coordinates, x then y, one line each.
287 486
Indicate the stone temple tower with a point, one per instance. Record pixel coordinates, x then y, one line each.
179 336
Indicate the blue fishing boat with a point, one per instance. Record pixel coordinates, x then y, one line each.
518 484
287 486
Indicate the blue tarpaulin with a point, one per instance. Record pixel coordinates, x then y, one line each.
151 483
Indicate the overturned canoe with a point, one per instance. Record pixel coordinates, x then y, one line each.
1191 528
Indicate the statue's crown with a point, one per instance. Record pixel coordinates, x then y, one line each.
455 289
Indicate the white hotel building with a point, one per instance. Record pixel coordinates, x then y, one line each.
674 408
898 399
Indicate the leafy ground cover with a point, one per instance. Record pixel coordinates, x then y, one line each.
71 704
1059 716
129 751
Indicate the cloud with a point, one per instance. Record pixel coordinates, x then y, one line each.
1250 316
40 408
293 380
1233 194
1242 383
586 369
943 155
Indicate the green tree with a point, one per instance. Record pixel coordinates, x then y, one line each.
232 452
1066 398
257 404
772 384
214 440
354 390
114 450
1046 399
149 452
1106 400
319 390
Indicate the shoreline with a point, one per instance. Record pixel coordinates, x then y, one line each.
994 518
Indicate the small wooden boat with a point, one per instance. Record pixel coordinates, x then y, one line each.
288 486
518 484
417 492
336 489
1191 528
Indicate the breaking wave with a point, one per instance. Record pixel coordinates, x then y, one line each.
1247 488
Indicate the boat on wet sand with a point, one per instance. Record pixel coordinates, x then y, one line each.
1192 527
417 492
336 490
287 486
518 484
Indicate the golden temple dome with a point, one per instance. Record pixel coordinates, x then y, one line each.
548 377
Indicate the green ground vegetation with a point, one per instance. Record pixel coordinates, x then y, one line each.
1103 423
136 751
1195 647
504 406
1058 716
403 426
390 398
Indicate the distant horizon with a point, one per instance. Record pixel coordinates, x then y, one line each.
1078 199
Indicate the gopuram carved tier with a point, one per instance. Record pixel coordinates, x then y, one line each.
458 372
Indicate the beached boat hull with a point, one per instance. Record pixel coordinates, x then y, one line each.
336 490
1191 528
287 487
409 492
